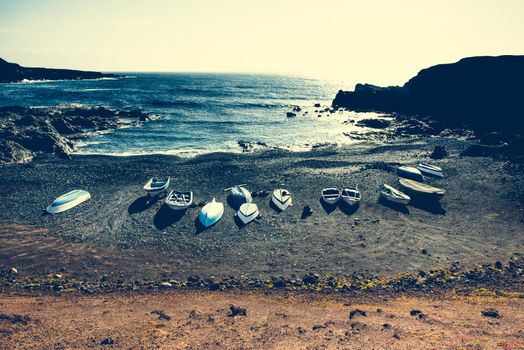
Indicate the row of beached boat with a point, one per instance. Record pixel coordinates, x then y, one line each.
411 180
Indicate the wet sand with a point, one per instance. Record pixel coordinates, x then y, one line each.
119 233
200 320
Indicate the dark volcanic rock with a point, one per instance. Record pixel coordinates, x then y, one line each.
291 114
237 311
12 72
490 313
374 123
25 131
484 92
439 152
356 312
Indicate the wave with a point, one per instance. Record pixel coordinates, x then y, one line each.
30 81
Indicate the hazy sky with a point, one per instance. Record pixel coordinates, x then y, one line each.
382 42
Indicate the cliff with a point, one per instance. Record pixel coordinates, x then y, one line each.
485 93
12 72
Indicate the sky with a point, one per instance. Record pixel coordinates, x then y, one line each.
384 42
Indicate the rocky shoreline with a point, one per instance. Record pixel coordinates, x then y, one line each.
28 131
12 72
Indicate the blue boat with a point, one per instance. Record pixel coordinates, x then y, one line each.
156 186
68 201
211 213
240 195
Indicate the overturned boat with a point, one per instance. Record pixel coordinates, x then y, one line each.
155 186
428 169
179 200
239 194
418 188
248 212
330 195
393 195
211 213
68 201
281 198
351 195
409 172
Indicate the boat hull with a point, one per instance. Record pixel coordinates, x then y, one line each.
211 213
68 201
410 173
178 206
430 170
420 189
153 191
248 212
280 200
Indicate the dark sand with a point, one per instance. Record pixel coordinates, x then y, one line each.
117 232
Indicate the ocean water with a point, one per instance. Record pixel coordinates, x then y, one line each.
199 113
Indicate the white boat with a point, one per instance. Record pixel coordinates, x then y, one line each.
330 195
429 169
211 213
351 195
179 200
419 188
409 172
240 195
248 212
68 201
281 198
155 186
393 195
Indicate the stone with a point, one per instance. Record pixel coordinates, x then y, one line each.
237 311
491 313
357 312
439 152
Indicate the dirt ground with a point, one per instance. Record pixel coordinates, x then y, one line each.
201 320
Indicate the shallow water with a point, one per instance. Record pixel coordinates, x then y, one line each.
200 113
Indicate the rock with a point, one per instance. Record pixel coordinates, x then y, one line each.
356 312
195 315
26 132
439 152
422 316
490 313
14 319
415 312
482 92
374 123
498 265
161 315
396 334
251 146
424 252
296 109
237 311
318 326
107 341
310 279
291 114
316 105
358 326
386 326
306 212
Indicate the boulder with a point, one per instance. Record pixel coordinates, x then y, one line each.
374 123
439 152
291 114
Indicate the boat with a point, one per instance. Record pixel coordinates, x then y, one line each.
331 195
179 200
248 212
409 172
68 201
351 195
211 213
155 186
239 194
281 198
419 188
429 169
393 195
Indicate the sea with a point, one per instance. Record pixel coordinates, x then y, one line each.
199 112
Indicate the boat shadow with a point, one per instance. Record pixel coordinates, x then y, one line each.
397 207
140 204
166 217
274 207
231 202
328 208
431 205
346 208
199 228
239 223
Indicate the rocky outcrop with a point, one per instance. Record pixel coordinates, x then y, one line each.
26 132
484 93
12 72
